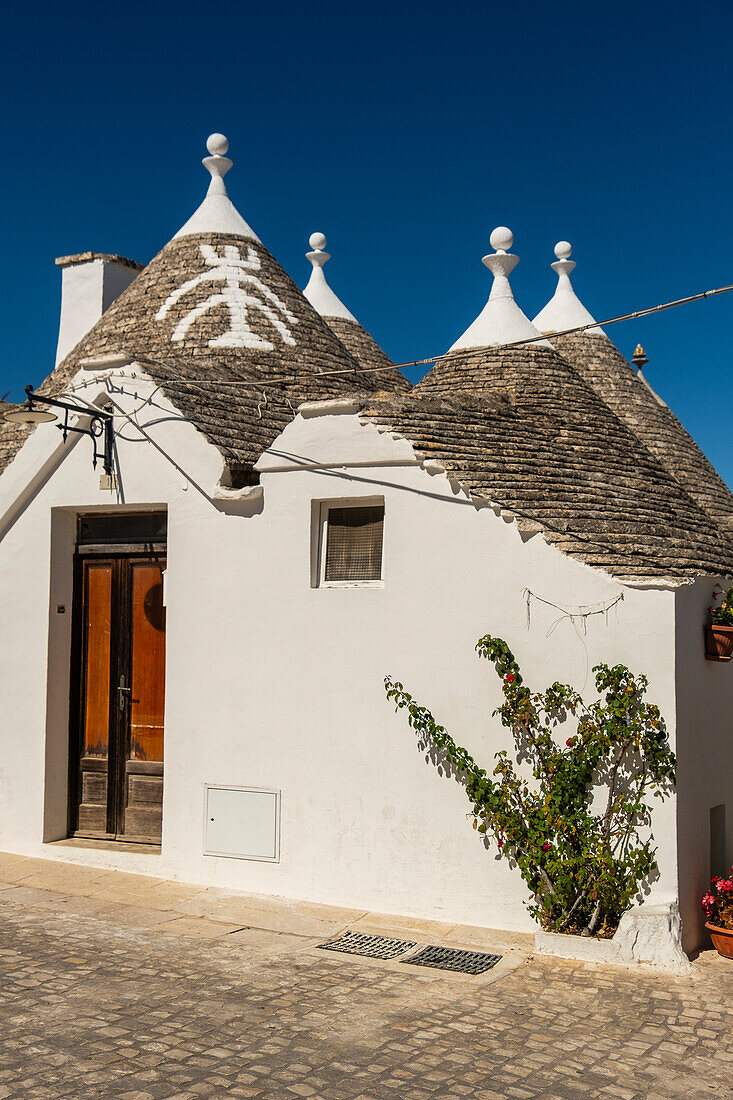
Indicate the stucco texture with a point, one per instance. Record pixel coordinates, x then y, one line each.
275 683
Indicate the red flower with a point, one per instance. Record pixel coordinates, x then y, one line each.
508 679
569 741
546 847
500 843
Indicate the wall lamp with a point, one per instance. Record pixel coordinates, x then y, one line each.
99 429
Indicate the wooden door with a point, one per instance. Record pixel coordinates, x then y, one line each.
119 697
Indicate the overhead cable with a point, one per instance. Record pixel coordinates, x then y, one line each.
432 359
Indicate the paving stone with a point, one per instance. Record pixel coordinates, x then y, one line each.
96 1002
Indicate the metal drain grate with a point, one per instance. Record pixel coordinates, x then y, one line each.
451 958
376 947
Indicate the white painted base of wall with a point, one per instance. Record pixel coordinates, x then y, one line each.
649 935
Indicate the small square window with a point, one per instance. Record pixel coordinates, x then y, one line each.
351 543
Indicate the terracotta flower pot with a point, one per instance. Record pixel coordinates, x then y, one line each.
718 642
722 940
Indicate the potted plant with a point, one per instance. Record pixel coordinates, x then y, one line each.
719 633
718 906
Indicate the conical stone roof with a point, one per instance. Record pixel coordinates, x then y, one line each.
215 295
217 298
602 366
362 346
214 307
520 427
355 338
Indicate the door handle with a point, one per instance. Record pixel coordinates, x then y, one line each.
122 692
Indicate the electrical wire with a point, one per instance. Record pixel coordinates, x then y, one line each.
590 542
467 354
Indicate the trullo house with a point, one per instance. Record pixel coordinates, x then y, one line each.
195 630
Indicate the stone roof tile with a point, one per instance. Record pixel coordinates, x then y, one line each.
603 367
521 427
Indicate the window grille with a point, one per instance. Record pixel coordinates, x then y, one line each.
353 549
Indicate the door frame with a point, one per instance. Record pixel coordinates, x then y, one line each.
117 555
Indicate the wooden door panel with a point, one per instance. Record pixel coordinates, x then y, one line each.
144 812
97 647
94 788
93 805
148 662
97 585
117 782
144 788
144 765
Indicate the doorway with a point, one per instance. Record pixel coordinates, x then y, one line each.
118 679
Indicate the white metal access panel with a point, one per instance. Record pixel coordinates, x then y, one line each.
242 823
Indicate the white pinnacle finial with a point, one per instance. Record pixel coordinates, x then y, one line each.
501 263
564 310
501 238
217 163
217 145
318 257
216 214
318 292
501 321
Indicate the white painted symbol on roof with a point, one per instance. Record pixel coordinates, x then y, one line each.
238 294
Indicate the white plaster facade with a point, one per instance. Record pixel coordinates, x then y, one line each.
275 683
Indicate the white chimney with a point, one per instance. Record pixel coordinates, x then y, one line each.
89 285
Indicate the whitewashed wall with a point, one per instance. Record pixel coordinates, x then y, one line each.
273 683
705 754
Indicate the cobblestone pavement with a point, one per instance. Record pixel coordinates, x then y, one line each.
97 1002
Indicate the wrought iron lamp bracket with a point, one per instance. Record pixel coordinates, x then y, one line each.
99 428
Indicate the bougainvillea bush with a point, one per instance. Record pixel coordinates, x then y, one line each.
567 810
718 902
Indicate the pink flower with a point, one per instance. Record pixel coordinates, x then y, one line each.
546 847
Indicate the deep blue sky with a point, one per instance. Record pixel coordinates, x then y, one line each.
405 132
